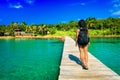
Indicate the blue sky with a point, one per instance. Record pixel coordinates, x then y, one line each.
56 11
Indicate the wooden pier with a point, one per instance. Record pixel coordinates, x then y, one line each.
71 69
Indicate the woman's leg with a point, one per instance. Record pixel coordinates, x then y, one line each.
82 55
86 55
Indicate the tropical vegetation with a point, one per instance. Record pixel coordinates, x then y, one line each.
97 27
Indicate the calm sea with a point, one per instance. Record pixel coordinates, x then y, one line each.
107 50
30 59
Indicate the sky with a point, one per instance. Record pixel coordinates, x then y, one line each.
56 11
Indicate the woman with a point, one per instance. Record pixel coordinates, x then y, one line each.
83 46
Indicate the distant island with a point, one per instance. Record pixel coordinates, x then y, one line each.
109 27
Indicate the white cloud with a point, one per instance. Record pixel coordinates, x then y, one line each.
31 2
116 13
116 5
17 5
115 9
82 4
115 1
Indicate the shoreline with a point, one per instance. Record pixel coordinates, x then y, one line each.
106 36
57 37
40 37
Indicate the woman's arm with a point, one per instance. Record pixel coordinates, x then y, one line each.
77 33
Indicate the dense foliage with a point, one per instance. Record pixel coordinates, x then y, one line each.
97 27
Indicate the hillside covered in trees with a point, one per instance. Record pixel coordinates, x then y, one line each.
97 27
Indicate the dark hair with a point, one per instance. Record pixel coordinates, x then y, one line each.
82 23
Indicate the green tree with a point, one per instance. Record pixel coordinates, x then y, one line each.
2 30
91 23
23 26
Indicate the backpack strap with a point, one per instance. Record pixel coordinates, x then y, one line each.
83 29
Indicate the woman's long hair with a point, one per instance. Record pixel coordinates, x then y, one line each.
82 23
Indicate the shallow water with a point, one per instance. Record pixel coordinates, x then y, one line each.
107 50
30 59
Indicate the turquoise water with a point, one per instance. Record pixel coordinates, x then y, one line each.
107 50
30 59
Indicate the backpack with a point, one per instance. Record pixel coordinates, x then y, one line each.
83 36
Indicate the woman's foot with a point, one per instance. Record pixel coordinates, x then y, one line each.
85 67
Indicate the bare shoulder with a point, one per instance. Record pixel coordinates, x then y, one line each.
78 30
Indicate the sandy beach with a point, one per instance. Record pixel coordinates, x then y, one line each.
41 37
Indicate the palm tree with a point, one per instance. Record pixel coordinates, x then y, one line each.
23 26
91 23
